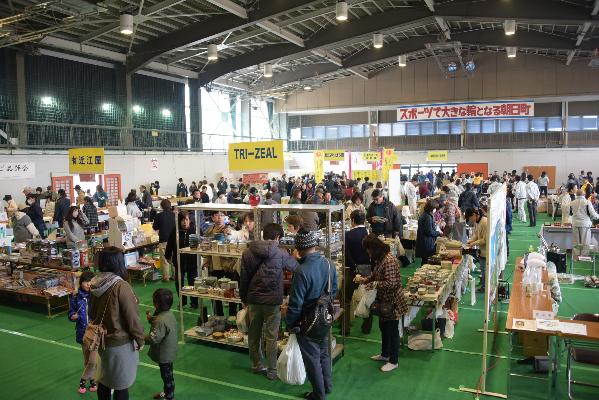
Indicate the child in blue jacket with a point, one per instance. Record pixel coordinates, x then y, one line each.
78 313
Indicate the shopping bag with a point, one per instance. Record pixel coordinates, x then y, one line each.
422 341
363 309
290 365
243 320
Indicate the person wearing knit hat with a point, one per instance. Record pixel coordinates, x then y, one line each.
310 280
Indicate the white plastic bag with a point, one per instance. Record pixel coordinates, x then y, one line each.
422 341
449 324
290 365
363 309
243 320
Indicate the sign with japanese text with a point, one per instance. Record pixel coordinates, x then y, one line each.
257 178
154 164
437 155
334 155
497 109
372 174
87 177
256 156
318 165
389 158
17 170
371 156
86 160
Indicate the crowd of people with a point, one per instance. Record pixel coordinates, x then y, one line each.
450 202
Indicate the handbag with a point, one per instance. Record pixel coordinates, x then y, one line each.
93 338
383 310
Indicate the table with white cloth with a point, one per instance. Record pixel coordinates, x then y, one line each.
561 236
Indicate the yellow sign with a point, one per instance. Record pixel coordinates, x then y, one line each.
86 160
437 155
371 156
318 165
334 155
389 158
256 156
373 175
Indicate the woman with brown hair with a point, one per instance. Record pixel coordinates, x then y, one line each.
390 304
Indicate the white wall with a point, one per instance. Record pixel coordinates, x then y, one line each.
565 160
134 169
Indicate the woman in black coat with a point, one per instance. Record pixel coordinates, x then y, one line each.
427 234
35 213
189 262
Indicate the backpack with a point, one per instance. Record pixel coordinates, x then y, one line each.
317 318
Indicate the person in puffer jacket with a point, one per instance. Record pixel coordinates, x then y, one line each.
78 307
261 290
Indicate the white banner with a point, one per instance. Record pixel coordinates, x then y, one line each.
472 110
17 170
154 164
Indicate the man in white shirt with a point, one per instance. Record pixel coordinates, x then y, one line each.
532 197
583 214
520 194
495 185
368 194
410 191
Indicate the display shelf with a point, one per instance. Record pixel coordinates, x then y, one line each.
191 333
194 293
187 250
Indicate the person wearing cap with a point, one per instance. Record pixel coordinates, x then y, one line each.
11 205
35 213
309 282
233 196
383 216
261 291
61 209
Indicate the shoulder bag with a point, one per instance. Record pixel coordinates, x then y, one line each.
317 318
95 333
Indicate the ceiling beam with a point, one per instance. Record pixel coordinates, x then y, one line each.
399 17
527 39
282 33
114 25
231 7
430 4
210 29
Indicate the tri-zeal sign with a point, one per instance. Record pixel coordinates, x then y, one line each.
257 156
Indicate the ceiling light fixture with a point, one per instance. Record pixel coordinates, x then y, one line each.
377 40
403 60
106 107
307 87
452 67
212 52
470 66
47 101
126 24
511 52
136 109
341 11
509 26
268 70
166 113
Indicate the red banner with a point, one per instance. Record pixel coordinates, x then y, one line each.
255 178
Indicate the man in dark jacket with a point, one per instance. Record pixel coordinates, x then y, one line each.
261 288
222 185
146 198
383 216
164 223
181 189
356 259
61 209
309 282
468 198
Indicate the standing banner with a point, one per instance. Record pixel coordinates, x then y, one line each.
470 110
372 156
389 158
318 165
256 156
86 160
154 164
17 170
496 260
437 155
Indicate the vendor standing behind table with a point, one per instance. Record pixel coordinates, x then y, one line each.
583 214
35 213
383 216
74 226
356 262
100 197
427 234
61 209
479 238
132 207
181 189
543 183
164 223
23 228
310 280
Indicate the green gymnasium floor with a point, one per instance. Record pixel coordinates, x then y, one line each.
40 358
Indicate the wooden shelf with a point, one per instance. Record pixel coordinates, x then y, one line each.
194 293
187 250
193 334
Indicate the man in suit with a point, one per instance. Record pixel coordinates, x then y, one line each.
356 259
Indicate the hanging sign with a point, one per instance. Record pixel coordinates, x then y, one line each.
334 155
437 155
389 158
372 174
86 160
256 156
472 110
87 177
371 156
318 165
17 170
154 164
256 178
